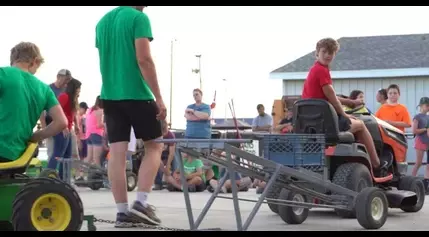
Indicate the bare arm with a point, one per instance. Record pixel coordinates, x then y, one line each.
170 159
59 123
346 102
147 66
264 128
202 115
280 127
76 124
191 117
399 124
329 92
42 119
198 173
416 130
99 118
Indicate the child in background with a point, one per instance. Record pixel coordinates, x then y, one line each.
420 129
357 95
392 112
285 125
194 175
81 116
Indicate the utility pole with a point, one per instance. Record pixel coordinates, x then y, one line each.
226 99
171 81
198 71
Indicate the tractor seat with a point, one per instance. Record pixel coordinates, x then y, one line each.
22 161
346 137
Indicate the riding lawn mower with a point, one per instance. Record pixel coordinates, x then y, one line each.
36 203
347 162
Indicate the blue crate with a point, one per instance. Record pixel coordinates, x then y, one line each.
296 150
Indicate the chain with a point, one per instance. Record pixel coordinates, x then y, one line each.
139 225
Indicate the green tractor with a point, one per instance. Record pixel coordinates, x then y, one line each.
36 203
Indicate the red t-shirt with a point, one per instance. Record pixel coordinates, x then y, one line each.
65 103
318 77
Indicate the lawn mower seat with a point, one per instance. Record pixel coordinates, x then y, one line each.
314 116
19 165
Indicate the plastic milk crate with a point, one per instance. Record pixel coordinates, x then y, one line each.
296 150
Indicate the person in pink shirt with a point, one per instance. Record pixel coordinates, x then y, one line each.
94 132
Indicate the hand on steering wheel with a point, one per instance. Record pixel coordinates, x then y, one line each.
357 103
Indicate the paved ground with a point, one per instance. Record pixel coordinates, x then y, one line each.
171 209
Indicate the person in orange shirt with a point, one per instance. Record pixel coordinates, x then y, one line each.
392 112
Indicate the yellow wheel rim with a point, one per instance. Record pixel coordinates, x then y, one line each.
50 212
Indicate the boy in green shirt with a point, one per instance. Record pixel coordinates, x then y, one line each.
23 98
194 175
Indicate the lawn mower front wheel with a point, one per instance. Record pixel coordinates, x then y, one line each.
47 204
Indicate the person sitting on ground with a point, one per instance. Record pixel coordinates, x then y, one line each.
318 85
23 98
243 184
194 176
393 112
285 125
259 185
358 95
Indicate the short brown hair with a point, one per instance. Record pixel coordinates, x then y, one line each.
198 90
331 45
394 86
25 52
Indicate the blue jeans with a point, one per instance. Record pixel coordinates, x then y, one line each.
62 149
158 177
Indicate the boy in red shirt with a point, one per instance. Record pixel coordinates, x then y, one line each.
318 85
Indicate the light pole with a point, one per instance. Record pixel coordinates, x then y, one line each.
171 81
226 98
198 71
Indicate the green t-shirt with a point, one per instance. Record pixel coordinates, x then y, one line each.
191 167
23 97
115 39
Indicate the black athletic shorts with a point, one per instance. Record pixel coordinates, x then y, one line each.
344 123
121 115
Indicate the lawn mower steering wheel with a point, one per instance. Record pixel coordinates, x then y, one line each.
352 111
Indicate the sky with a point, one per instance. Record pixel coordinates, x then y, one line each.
241 44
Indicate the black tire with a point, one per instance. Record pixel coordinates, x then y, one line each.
49 173
95 180
274 193
292 215
353 176
31 192
368 200
131 181
413 184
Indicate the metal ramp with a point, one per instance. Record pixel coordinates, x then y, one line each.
237 160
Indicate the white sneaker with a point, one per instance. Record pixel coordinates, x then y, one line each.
215 183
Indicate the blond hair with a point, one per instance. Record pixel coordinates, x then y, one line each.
25 52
